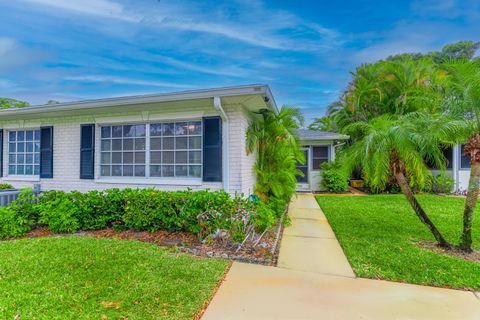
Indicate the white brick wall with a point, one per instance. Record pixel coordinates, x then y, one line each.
66 174
242 178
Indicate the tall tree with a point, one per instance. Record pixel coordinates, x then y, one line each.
273 138
462 50
464 103
387 87
6 103
389 148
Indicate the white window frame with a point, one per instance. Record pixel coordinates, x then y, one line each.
16 176
180 180
313 158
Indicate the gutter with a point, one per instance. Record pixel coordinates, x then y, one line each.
152 98
217 104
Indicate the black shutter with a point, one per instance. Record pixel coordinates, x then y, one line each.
87 151
1 152
46 152
212 149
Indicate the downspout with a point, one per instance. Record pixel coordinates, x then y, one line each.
335 145
456 167
217 104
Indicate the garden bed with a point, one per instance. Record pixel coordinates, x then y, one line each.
202 223
265 253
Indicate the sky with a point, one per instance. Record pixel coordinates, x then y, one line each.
305 50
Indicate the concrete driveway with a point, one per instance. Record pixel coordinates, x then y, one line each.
313 280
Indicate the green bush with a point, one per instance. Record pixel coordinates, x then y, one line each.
4 186
59 212
200 212
333 179
11 224
17 219
440 184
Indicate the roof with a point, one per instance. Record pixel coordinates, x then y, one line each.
310 135
251 89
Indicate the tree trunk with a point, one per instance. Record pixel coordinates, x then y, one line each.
407 191
470 203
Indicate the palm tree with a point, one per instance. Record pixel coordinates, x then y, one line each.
464 103
389 148
389 87
273 138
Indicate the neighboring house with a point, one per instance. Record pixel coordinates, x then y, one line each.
193 139
458 167
318 147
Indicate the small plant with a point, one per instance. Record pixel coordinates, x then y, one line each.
59 213
333 179
202 212
6 186
441 184
17 218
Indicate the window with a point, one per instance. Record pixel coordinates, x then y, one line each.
24 152
172 149
464 160
123 151
320 155
448 154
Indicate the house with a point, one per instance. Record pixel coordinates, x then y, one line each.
318 147
458 167
321 147
172 141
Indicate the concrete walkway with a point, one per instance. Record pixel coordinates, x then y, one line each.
315 281
309 243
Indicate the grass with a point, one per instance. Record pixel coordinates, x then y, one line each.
379 233
89 278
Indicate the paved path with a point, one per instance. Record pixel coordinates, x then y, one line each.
309 244
315 281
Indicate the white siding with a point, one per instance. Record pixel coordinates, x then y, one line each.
66 166
242 177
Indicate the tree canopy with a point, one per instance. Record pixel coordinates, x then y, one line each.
402 83
6 103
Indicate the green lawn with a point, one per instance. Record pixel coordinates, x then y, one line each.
88 278
378 234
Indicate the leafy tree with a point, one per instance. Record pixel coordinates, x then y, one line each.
391 86
388 87
6 103
462 50
324 124
464 103
389 148
273 138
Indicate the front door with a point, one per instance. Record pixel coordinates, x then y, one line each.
303 181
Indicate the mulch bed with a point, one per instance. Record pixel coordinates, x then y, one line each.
453 252
187 243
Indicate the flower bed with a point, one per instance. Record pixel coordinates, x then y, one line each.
201 222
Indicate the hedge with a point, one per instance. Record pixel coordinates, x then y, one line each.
200 212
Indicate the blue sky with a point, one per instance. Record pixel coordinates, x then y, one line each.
305 50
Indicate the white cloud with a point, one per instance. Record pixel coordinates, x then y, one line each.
251 23
119 80
102 8
216 70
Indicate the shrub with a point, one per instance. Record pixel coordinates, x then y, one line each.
17 218
440 184
4 186
333 179
11 224
200 212
59 212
